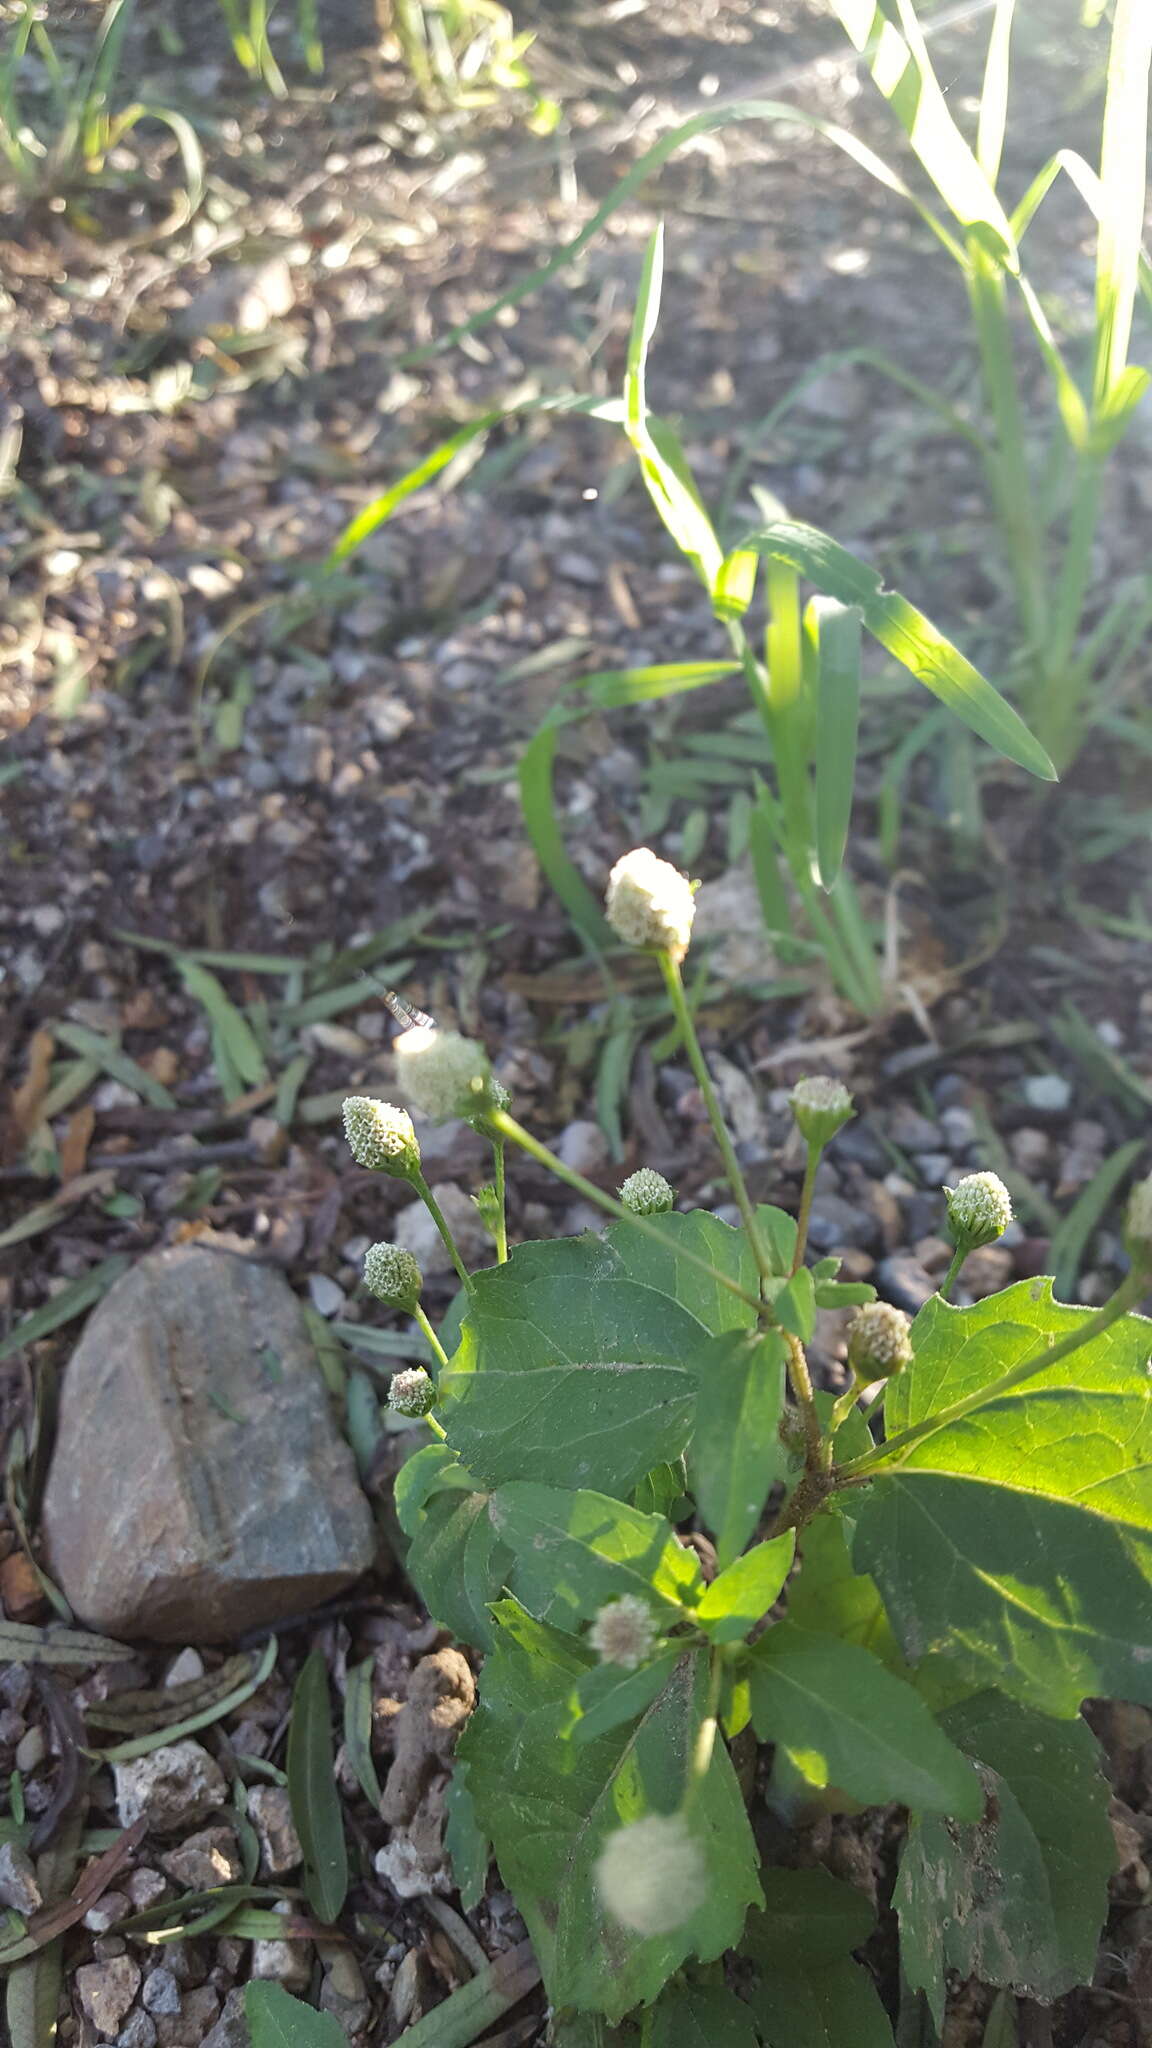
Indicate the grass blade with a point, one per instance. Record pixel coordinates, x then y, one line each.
237 1057
838 638
537 799
612 687
358 1728
908 635
312 1792
70 1302
994 92
1123 173
1067 1247
157 1738
661 459
93 1045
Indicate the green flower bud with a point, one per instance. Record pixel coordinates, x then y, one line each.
979 1210
820 1105
412 1393
652 1875
650 903
446 1075
381 1137
624 1632
878 1342
392 1275
1138 1223
647 1193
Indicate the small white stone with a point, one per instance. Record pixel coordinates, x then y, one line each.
1047 1091
171 1788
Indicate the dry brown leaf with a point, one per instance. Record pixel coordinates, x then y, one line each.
77 1138
163 1064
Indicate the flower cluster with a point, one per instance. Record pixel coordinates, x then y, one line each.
650 903
624 1632
651 1875
392 1275
647 1193
979 1210
412 1393
445 1074
878 1342
381 1137
820 1105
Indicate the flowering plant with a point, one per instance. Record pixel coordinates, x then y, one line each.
669 1548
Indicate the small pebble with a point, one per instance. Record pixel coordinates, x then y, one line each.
270 1811
106 1991
204 1860
19 1887
1047 1091
172 1788
139 2032
113 1906
161 1992
911 1131
326 1296
901 1279
31 1750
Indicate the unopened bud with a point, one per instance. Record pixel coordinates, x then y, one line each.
650 903
979 1210
412 1393
652 1875
878 1342
392 1275
647 1193
1138 1223
820 1105
624 1632
381 1137
445 1074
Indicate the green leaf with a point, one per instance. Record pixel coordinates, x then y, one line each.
850 1723
701 2016
1016 1540
608 1694
542 822
662 464
828 1596
236 1055
1018 1899
277 2020
465 1840
459 1562
549 1818
744 1592
837 630
432 1469
107 1055
736 1457
795 1305
844 1293
908 635
809 1993
658 1263
575 1551
570 1369
358 1689
312 1791
22 1642
71 1301
612 687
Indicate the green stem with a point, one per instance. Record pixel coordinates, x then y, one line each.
1130 1291
800 1380
953 1273
705 1742
429 1334
1064 685
673 982
804 1213
499 1182
842 1408
500 1120
422 1188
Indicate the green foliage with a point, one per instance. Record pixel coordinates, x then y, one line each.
664 1541
277 2020
312 1791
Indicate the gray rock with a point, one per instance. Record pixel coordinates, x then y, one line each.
171 1788
204 1860
414 1230
1047 1091
199 2011
192 1495
901 1279
283 1962
106 1991
161 1992
837 1224
140 2031
270 1811
936 1169
911 1131
959 1126
583 1146
231 2029
18 1886
109 1908
858 1145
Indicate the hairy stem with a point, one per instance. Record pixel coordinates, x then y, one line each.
953 1273
422 1188
429 1335
499 1182
804 1213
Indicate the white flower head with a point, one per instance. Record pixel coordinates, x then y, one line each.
651 1875
650 903
647 1193
979 1210
412 1393
878 1341
392 1275
1138 1223
624 1632
445 1074
381 1136
820 1105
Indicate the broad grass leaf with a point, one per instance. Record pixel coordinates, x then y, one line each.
575 1551
549 1819
746 1589
662 462
312 1791
613 687
542 820
908 635
808 1992
736 1456
277 2020
359 1687
852 1724
1016 1540
1018 1899
837 629
702 2016
571 1369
